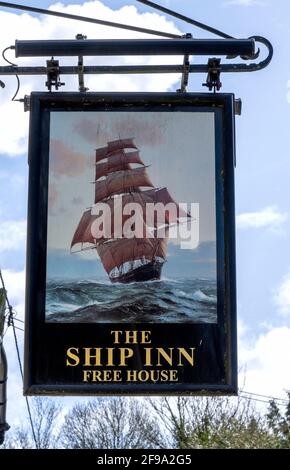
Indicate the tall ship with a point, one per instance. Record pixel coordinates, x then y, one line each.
121 178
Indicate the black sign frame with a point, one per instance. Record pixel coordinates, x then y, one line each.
215 369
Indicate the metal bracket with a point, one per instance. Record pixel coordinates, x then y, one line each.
213 76
26 103
82 87
238 107
186 68
53 75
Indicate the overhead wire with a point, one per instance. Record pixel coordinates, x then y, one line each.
17 319
198 24
270 397
11 322
86 19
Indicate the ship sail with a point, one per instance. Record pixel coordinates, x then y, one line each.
114 146
115 253
122 181
117 183
83 233
118 161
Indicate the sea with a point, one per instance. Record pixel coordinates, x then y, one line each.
160 301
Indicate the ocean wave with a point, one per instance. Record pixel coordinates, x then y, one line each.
84 301
201 297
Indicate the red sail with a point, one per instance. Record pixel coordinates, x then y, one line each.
117 252
115 145
101 153
162 195
115 214
83 232
118 161
121 181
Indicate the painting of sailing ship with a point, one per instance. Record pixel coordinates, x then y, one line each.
126 260
108 263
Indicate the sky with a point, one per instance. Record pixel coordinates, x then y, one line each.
262 172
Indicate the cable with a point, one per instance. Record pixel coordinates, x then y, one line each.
17 328
254 399
265 396
11 322
186 19
260 401
17 319
21 372
88 20
14 65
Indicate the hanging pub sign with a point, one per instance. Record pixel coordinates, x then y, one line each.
131 244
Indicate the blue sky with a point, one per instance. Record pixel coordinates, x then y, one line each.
262 173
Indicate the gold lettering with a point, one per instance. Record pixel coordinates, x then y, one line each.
148 357
106 375
186 355
86 375
131 337
145 337
165 355
73 356
125 353
110 361
143 375
117 376
116 334
96 356
152 375
173 376
132 375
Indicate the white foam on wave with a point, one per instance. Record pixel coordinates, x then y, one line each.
167 279
95 281
201 297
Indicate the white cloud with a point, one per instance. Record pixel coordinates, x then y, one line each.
14 128
269 217
266 361
12 235
245 3
288 92
15 286
282 296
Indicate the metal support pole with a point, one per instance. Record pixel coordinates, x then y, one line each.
3 371
123 47
82 88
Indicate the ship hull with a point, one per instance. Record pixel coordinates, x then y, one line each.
148 272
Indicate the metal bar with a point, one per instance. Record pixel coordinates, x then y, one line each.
186 19
96 69
121 47
128 69
86 19
185 75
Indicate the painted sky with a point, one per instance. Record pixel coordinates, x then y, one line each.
262 173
